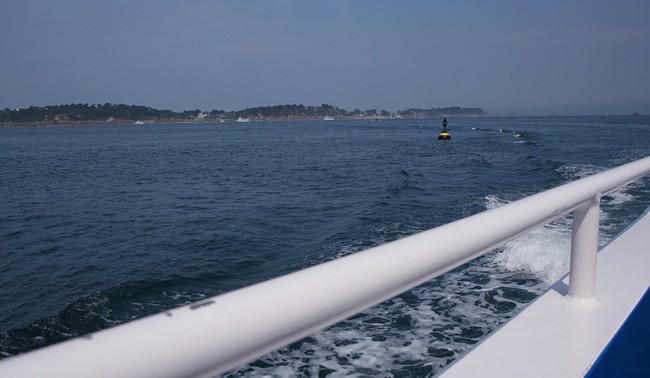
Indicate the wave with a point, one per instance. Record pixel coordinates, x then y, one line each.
425 329
100 310
414 334
544 252
240 208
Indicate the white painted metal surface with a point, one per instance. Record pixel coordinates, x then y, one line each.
220 333
584 246
562 336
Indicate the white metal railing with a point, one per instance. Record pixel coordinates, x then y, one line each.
217 334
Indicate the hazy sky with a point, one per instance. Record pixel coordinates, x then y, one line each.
534 57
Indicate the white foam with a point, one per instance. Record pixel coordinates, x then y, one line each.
544 252
435 323
492 202
421 332
610 202
577 171
619 196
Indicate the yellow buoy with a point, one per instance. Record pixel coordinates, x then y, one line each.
444 134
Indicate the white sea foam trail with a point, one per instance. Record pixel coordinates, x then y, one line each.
544 252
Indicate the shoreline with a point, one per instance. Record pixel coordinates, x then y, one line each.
201 121
146 122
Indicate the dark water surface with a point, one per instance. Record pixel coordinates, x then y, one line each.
104 224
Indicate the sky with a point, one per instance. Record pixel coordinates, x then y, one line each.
527 57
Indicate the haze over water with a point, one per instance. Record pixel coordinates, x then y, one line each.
533 58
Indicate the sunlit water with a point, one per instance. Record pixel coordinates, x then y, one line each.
104 224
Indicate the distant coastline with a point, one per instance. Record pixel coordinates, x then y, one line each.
114 114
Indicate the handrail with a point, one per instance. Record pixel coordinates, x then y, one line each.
217 334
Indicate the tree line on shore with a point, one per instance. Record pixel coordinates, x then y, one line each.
115 112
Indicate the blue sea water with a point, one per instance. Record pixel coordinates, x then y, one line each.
100 225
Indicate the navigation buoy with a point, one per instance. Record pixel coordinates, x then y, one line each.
444 134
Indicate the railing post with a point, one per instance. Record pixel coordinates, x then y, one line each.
584 248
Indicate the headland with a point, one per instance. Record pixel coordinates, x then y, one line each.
110 114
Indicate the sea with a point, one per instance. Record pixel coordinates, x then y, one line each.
101 225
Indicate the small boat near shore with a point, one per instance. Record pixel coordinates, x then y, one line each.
240 119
